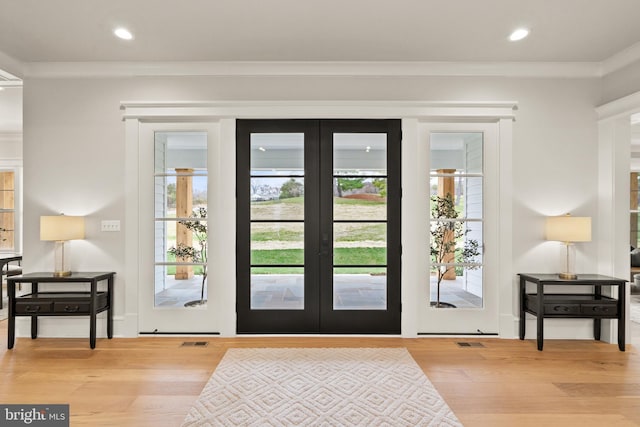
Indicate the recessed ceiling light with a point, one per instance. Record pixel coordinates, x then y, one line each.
1 88
123 33
519 34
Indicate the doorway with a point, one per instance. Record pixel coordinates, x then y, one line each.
318 226
634 300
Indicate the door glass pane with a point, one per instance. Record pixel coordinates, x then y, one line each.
356 288
280 243
172 293
464 290
359 190
277 198
359 243
7 210
277 211
361 198
456 205
277 154
277 288
458 152
180 191
193 187
360 154
467 195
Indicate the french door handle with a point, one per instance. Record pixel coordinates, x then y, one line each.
324 245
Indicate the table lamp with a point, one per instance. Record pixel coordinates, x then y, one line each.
61 228
568 230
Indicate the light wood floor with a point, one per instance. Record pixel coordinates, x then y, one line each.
154 381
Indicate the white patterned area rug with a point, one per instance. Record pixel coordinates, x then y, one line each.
319 387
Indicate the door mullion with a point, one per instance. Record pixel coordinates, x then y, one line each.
311 226
326 223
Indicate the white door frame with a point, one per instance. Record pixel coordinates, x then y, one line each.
482 320
137 113
614 166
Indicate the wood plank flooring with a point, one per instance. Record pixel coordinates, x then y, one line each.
153 381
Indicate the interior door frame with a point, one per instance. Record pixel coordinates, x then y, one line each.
413 113
319 315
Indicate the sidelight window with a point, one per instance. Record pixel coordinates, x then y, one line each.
456 205
180 198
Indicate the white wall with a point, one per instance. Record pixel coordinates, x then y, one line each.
74 154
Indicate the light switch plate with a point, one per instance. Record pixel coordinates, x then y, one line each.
110 225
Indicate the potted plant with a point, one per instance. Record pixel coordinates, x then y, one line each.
446 234
198 252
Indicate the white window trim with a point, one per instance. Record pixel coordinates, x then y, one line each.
15 166
225 112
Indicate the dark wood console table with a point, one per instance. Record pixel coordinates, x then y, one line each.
61 303
572 305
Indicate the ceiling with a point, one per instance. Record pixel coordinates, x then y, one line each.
54 32
317 30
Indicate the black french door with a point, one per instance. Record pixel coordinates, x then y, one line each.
318 226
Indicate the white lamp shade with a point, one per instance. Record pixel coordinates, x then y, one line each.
568 228
61 227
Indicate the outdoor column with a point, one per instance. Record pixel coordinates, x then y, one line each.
447 185
184 208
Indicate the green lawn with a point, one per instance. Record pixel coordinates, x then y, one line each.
349 232
345 256
343 233
347 201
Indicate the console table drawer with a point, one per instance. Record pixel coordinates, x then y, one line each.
555 308
600 309
571 305
71 307
33 307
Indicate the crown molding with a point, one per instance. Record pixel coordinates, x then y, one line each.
10 83
215 110
619 108
343 69
621 59
10 68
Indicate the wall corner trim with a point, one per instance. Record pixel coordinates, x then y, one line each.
619 107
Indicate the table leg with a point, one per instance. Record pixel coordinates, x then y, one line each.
110 310
34 319
622 296
597 323
34 327
92 315
11 293
522 313
540 315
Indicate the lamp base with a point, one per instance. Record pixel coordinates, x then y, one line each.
568 276
61 273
